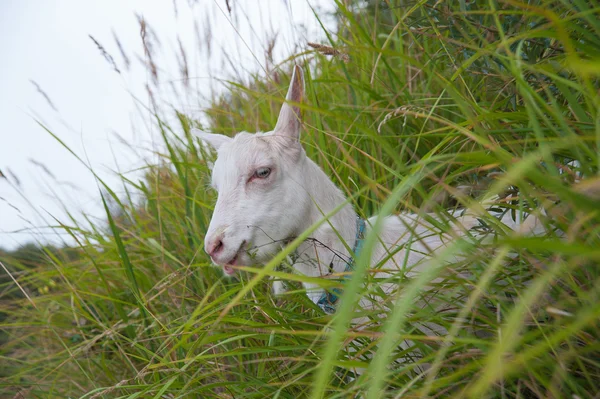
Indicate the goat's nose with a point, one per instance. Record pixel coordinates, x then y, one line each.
214 245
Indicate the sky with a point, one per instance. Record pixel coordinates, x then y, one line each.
58 90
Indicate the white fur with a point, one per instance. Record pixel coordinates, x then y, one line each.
263 215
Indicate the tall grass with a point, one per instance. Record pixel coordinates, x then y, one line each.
417 107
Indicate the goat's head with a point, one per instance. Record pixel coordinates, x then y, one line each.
259 180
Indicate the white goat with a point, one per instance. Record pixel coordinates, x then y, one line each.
269 192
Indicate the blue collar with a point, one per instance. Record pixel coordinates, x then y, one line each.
328 299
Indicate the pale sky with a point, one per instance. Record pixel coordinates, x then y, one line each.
48 42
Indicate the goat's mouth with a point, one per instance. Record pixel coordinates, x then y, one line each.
227 267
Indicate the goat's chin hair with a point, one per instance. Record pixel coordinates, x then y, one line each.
261 256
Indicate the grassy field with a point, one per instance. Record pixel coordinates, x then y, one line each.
411 106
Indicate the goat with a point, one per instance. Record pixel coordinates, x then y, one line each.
269 192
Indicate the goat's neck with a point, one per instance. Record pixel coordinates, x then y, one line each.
325 198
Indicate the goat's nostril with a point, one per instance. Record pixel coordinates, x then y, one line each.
216 247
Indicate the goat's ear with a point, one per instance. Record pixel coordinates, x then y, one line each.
289 121
212 139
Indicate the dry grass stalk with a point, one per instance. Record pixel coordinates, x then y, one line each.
328 50
148 47
43 93
43 167
122 51
208 35
105 54
183 63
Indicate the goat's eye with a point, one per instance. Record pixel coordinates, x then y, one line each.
262 173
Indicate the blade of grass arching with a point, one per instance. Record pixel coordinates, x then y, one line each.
378 370
159 249
533 101
502 154
189 219
534 123
576 148
585 317
349 298
574 103
183 178
79 294
25 294
556 186
119 307
527 167
478 290
535 244
459 77
183 334
295 277
401 17
69 230
72 357
198 159
587 13
494 367
127 266
98 179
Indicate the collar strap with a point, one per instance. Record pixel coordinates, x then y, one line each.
328 299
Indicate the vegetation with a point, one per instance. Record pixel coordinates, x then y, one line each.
411 106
